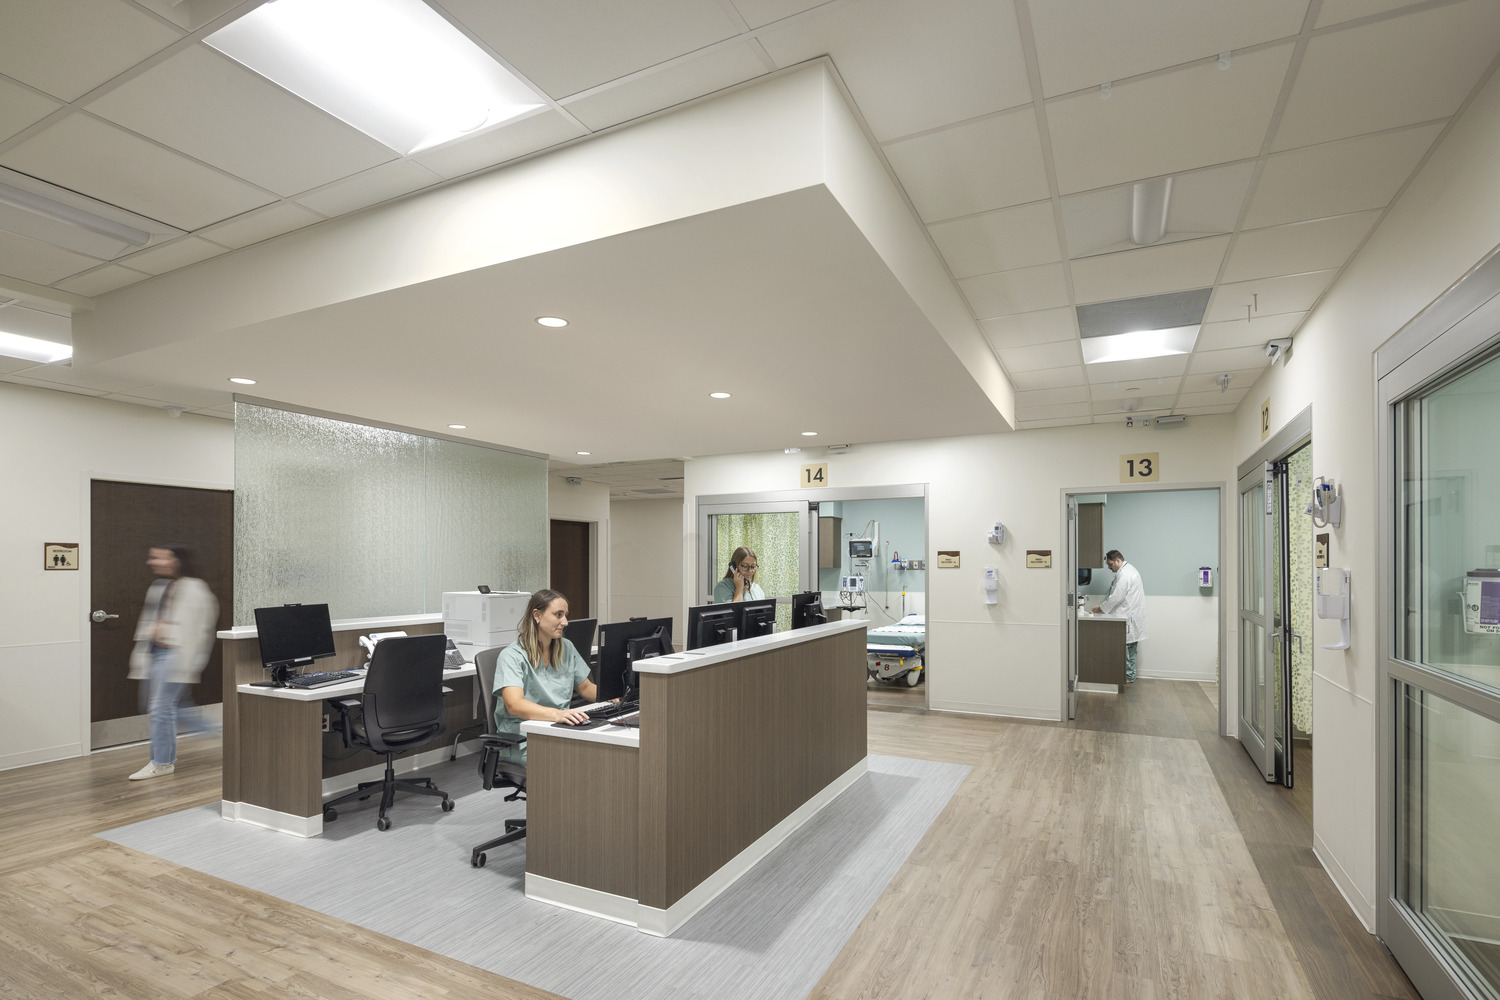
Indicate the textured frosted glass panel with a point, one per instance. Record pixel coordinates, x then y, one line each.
486 520
377 522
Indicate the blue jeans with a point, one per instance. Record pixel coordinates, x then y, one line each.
160 698
1130 660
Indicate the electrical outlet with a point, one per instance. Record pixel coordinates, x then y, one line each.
327 723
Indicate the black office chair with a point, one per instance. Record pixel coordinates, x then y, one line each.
401 708
496 771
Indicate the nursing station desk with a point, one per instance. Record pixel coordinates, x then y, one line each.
277 757
738 745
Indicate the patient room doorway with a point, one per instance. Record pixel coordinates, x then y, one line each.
804 544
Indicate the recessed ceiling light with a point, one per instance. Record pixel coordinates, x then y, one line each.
719 395
552 321
458 427
237 380
583 453
1140 344
13 345
809 434
394 69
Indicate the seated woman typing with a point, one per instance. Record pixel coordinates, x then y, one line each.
537 674
739 582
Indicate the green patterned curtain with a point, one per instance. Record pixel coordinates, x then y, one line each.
775 540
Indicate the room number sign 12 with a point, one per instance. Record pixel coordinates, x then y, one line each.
815 475
1144 468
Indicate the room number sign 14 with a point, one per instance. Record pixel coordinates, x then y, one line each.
815 475
1143 468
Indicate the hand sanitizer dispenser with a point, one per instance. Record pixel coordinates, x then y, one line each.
1205 577
991 585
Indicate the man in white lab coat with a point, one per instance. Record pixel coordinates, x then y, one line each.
1126 597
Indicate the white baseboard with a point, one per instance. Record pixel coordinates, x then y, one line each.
1363 908
1007 711
297 826
351 779
42 755
1154 675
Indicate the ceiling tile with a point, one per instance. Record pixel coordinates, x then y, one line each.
1230 397
912 67
1048 378
1337 11
10 366
981 165
68 47
215 110
1336 178
1242 333
1241 379
1005 293
190 398
1143 370
1273 296
1205 411
999 241
651 91
371 187
170 256
261 224
1026 359
1053 397
90 156
43 263
1134 403
567 48
101 280
1393 72
525 135
60 373
1166 124
1027 329
1084 43
21 108
1238 359
1301 246
1203 202
1052 412
1028 425
57 386
758 13
1171 267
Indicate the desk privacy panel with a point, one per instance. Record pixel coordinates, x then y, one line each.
377 522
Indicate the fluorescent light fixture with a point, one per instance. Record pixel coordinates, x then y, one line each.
718 395
63 218
1140 344
237 380
552 321
13 345
394 69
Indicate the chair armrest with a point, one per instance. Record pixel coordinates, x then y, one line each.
346 707
502 739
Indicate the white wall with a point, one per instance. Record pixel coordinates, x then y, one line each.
587 502
647 554
53 443
1443 224
1182 639
1004 659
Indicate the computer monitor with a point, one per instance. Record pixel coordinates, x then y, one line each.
1085 577
293 635
757 617
711 624
580 632
621 644
807 609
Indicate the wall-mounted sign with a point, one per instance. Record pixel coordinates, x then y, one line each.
815 475
1142 468
1265 419
947 560
59 555
1038 558
1320 552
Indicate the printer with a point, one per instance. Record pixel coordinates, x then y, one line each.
475 620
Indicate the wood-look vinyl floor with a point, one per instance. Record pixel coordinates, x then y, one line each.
1078 860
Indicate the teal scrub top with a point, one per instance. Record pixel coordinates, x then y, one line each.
724 592
549 686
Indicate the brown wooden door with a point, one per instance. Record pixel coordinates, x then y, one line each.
129 518
570 565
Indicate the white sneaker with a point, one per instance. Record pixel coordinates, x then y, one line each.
153 771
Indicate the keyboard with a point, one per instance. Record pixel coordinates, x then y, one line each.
317 680
600 713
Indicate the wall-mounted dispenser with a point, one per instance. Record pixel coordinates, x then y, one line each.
1206 577
1332 601
1327 507
997 534
1481 596
991 585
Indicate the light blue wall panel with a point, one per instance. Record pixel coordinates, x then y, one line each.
1166 536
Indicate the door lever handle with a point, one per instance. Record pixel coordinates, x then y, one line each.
102 616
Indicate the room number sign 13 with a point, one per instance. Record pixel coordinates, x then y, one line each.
1144 468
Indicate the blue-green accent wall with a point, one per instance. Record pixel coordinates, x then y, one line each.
1166 536
903 529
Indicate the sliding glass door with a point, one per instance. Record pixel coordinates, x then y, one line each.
783 536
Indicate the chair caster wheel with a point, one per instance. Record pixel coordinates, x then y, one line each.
330 814
447 805
478 860
382 823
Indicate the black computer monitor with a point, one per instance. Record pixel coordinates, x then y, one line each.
757 617
293 635
621 644
807 609
1085 577
711 624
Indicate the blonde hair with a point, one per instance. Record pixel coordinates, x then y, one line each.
740 555
531 642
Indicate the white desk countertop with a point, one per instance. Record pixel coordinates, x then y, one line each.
677 663
1086 617
343 689
387 624
620 736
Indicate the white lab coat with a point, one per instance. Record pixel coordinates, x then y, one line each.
1127 597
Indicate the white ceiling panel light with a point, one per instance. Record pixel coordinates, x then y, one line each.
63 218
1154 326
556 322
1140 344
394 69
34 336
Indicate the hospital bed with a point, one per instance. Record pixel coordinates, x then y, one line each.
898 652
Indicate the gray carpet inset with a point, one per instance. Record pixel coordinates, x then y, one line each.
770 935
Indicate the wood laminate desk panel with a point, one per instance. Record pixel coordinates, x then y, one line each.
585 834
1101 649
